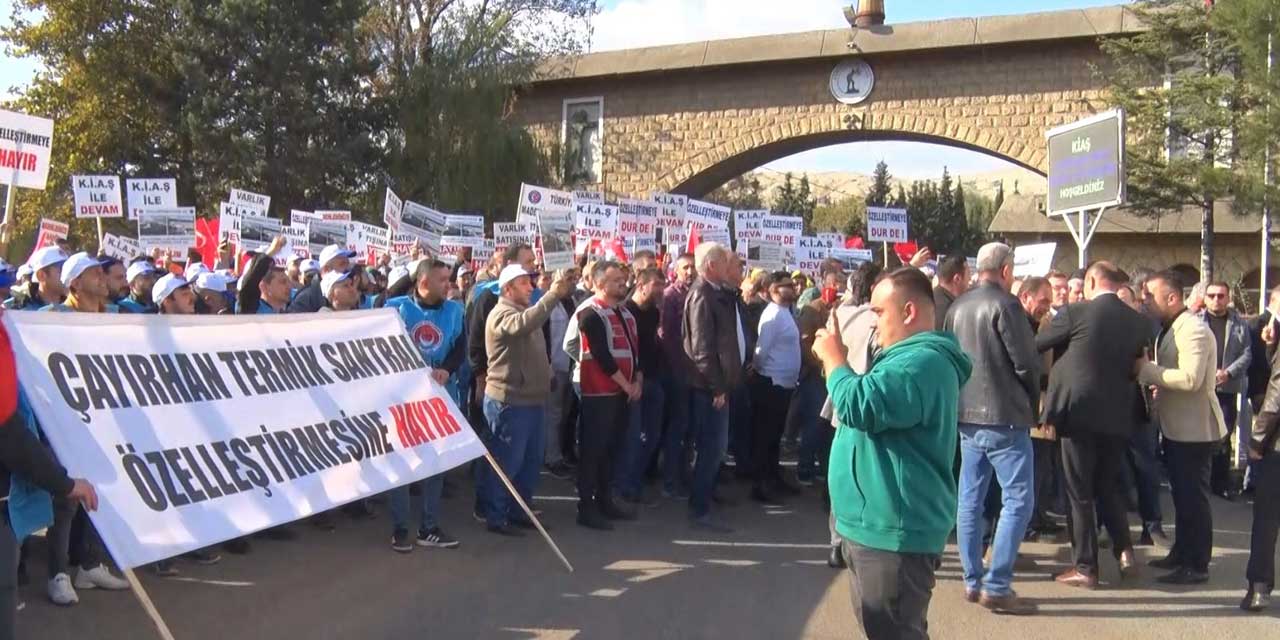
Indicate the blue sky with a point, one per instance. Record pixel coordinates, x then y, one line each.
631 23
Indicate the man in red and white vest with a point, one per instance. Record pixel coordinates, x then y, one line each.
609 380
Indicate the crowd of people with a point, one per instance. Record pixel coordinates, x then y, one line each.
925 401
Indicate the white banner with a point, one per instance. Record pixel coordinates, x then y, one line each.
747 224
851 258
97 196
593 221
885 224
146 194
506 234
200 429
671 217
535 200
50 232
122 248
25 145
555 228
391 207
638 225
229 224
367 240
1033 260
423 222
295 236
764 254
463 230
257 232
172 231
786 231
249 201
706 215
322 233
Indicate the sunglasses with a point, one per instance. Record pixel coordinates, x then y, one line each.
1215 296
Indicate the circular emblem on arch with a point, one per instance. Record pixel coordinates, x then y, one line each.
852 81
427 335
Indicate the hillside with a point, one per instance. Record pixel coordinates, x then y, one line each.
831 186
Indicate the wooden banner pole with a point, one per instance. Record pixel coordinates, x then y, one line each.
528 512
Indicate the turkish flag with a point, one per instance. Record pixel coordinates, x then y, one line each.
207 240
8 380
905 250
854 242
695 239
619 249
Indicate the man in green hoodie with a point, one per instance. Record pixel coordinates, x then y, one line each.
892 489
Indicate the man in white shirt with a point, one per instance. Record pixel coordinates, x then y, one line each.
776 370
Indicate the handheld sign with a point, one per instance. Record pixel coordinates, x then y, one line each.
887 224
146 194
97 196
25 145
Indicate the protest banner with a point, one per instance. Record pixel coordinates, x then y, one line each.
764 254
589 196
786 231
480 256
250 201
463 230
638 224
97 196
1033 260
333 215
713 234
402 247
706 215
534 200
171 231
808 260
454 252
506 234
146 194
833 239
295 237
257 232
851 258
887 224
593 221
746 224
322 233
260 421
671 216
25 146
228 224
816 245
555 228
368 241
122 248
391 207
50 232
424 223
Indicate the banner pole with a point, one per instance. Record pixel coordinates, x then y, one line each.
527 511
147 605
8 211
886 254
99 234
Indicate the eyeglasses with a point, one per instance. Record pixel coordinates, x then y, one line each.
1215 296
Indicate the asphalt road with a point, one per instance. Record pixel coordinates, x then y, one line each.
654 578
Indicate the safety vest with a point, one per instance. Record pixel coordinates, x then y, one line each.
620 331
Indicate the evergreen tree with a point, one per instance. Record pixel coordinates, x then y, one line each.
794 199
880 194
742 192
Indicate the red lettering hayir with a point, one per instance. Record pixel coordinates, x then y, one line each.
402 427
446 417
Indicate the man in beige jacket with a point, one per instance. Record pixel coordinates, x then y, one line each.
519 379
1191 419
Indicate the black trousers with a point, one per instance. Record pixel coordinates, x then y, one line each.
1047 462
604 421
1220 477
769 404
891 591
1189 464
1266 521
8 579
1092 463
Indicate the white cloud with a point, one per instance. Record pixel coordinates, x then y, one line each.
645 23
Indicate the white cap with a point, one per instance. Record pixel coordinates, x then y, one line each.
213 281
330 279
397 273
76 265
166 285
333 251
194 270
141 267
293 259
47 257
24 271
511 272
309 265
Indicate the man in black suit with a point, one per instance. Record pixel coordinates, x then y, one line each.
1091 402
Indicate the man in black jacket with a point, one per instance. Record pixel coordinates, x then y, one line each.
311 299
1091 403
22 453
1264 456
953 281
716 345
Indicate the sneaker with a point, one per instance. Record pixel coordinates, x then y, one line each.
504 530
525 523
204 557
400 542
60 591
436 537
477 516
99 578
593 519
164 569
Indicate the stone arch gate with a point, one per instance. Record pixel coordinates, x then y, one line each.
686 118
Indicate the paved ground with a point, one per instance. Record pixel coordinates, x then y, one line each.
654 578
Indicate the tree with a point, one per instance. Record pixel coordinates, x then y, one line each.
848 216
794 199
448 72
881 187
742 192
1181 85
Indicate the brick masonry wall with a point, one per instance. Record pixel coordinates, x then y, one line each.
690 130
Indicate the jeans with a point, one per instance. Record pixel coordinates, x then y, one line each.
815 434
644 430
710 437
1266 521
675 464
559 402
891 591
431 489
1144 460
1189 464
517 445
1006 453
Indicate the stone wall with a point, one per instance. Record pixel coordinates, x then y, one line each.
689 131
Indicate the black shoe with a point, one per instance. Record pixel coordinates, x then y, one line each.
400 542
1184 575
323 522
1257 599
1145 540
504 530
203 557
525 523
614 512
640 500
436 538
785 486
592 519
762 495
835 559
238 546
560 470
1167 562
281 533
723 500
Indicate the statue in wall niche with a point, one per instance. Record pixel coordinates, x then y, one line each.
582 147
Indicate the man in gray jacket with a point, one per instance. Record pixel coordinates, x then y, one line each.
998 406
1233 359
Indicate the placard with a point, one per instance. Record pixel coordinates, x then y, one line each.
26 143
423 222
887 224
556 231
786 231
391 207
257 232
146 194
638 224
706 215
747 224
764 254
1033 260
506 234
50 232
122 248
322 233
97 196
171 231
250 201
463 230
593 221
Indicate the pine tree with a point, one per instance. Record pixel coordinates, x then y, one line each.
881 188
